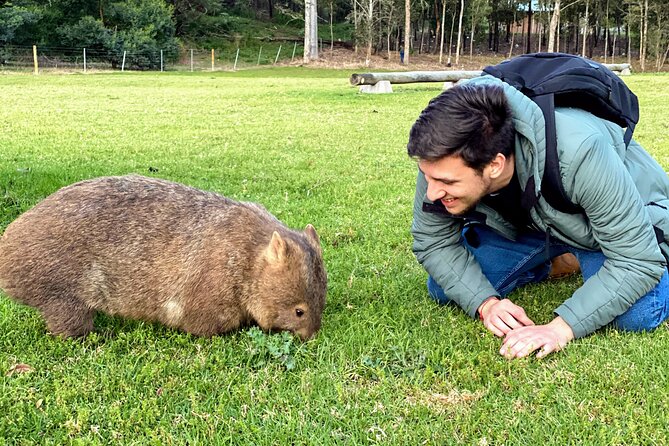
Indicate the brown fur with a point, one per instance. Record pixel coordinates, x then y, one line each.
154 250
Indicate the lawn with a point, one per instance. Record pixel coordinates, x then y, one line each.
388 366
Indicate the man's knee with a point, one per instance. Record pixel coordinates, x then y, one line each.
648 312
637 324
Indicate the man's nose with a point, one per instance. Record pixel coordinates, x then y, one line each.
435 191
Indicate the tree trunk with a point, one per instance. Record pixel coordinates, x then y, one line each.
439 21
457 48
355 24
310 31
307 31
493 43
450 39
528 47
407 30
471 35
390 30
422 31
629 43
331 31
443 20
557 36
606 34
585 27
540 36
513 36
370 31
644 37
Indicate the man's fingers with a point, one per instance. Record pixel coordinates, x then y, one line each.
496 331
500 325
519 314
546 350
511 321
519 348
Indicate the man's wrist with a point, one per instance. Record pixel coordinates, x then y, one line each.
563 329
486 303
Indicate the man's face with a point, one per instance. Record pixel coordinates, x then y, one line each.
456 185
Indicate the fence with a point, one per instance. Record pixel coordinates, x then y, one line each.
37 58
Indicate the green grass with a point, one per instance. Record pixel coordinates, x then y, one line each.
388 366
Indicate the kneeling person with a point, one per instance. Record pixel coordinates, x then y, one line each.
479 146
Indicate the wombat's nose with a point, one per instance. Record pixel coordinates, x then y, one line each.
306 335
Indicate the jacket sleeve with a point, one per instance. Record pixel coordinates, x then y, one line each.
622 228
439 248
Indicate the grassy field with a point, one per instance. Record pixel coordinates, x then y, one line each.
388 366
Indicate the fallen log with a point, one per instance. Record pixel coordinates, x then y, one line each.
409 77
617 66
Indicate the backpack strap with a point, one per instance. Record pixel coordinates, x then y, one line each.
551 183
628 133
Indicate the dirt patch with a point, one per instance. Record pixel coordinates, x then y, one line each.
342 58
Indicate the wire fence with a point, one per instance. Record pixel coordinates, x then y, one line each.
38 58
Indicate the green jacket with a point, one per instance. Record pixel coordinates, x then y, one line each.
623 192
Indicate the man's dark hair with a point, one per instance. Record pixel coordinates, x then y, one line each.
470 121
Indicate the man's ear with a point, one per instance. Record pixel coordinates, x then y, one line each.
497 165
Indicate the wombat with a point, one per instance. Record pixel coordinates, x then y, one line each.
154 250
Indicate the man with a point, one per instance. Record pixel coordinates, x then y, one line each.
477 145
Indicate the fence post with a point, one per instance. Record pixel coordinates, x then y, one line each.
277 55
293 56
259 53
84 60
191 60
212 59
236 57
35 59
161 61
123 63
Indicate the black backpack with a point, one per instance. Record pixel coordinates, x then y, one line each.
565 80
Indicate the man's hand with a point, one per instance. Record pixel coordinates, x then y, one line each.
502 316
548 338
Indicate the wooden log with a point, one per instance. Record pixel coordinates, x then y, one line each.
408 77
617 66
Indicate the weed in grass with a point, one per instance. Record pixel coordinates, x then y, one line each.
264 349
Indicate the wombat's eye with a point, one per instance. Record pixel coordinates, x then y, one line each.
299 312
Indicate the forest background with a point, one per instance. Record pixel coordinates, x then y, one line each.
457 32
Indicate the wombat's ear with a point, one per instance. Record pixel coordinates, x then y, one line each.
276 250
311 233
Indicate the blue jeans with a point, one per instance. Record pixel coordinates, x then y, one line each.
509 265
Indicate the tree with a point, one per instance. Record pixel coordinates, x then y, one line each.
310 31
478 10
529 27
142 28
14 21
661 35
200 18
407 30
457 47
585 27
